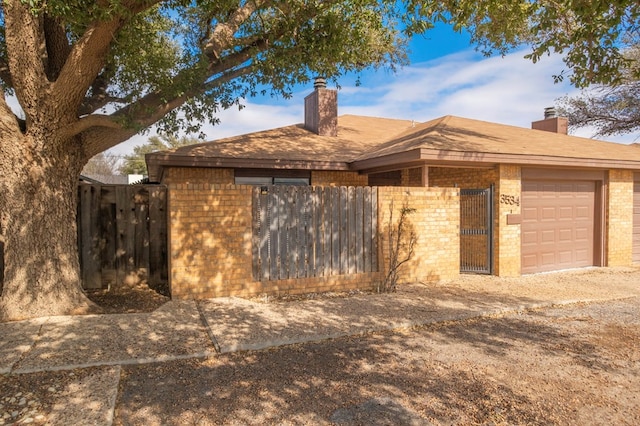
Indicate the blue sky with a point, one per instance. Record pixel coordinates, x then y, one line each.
446 77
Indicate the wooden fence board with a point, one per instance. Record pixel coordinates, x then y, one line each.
344 235
318 234
273 238
374 229
158 278
359 230
302 225
367 236
122 233
351 231
335 231
326 233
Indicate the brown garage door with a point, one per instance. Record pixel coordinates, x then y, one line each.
636 222
557 225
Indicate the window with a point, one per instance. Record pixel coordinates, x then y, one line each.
272 177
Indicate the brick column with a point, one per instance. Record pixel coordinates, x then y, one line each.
619 217
507 236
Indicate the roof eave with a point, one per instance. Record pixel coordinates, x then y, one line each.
156 163
435 157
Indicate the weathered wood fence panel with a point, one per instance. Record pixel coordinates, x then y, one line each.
122 235
304 232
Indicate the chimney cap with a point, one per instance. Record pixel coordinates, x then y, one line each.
550 112
319 83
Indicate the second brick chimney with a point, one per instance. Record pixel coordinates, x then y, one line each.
321 109
551 122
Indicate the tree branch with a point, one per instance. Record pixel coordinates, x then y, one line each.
57 45
85 61
87 122
5 74
24 40
99 96
9 123
223 35
88 55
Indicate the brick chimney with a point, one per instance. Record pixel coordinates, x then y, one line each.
551 122
321 109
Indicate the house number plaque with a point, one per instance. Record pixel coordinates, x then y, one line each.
512 200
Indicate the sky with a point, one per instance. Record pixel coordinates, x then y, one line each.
446 76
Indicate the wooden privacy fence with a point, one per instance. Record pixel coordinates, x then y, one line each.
304 232
122 235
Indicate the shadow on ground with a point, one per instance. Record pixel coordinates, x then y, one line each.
523 369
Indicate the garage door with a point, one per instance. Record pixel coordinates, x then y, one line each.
636 222
557 225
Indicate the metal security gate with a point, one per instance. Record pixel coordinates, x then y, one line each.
476 230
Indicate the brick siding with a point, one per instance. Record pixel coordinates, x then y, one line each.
507 243
210 239
338 178
436 222
462 178
619 218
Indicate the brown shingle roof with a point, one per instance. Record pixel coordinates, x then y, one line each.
355 135
290 147
371 143
452 133
461 141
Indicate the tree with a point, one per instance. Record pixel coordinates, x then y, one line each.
101 164
135 163
89 75
611 109
591 35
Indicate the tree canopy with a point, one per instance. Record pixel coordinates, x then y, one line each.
101 164
611 109
590 35
89 75
178 62
135 163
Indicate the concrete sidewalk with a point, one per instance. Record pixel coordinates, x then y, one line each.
189 329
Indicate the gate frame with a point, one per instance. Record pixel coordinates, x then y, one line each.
488 231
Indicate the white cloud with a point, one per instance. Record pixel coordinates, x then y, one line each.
508 90
252 118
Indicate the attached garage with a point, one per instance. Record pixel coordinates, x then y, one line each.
559 224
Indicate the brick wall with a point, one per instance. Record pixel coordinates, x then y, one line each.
338 178
193 175
412 177
507 245
619 218
436 222
210 239
462 178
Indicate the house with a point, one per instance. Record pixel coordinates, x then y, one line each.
488 198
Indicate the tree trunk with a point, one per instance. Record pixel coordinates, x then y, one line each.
38 205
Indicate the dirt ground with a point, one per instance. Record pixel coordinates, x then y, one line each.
127 299
577 364
574 364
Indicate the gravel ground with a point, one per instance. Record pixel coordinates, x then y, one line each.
571 364
574 365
